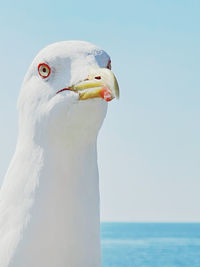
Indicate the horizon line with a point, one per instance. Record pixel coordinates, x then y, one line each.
149 221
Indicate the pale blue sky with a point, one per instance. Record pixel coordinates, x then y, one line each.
149 148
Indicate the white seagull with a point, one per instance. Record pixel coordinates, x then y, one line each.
49 201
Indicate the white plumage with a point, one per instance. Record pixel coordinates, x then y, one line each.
49 201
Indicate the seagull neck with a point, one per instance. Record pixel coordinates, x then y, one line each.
73 162
65 210
64 196
74 196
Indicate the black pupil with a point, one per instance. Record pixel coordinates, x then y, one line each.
44 69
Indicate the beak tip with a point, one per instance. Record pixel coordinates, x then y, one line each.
106 94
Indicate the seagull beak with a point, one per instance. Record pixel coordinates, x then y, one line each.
100 83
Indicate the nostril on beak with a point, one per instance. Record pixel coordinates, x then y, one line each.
98 77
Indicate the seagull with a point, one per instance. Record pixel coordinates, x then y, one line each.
49 200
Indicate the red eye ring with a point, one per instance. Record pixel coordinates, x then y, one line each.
44 70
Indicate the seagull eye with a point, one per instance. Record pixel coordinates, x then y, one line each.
44 70
109 65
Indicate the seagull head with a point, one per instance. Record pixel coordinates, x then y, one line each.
65 92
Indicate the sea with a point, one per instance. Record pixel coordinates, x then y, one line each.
150 244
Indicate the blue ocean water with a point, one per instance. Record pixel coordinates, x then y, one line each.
150 244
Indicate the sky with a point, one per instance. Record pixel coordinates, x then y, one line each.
148 147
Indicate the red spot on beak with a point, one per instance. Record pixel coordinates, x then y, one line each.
106 94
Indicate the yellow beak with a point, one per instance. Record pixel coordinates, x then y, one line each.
100 83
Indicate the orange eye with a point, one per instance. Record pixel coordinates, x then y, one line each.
109 65
44 70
